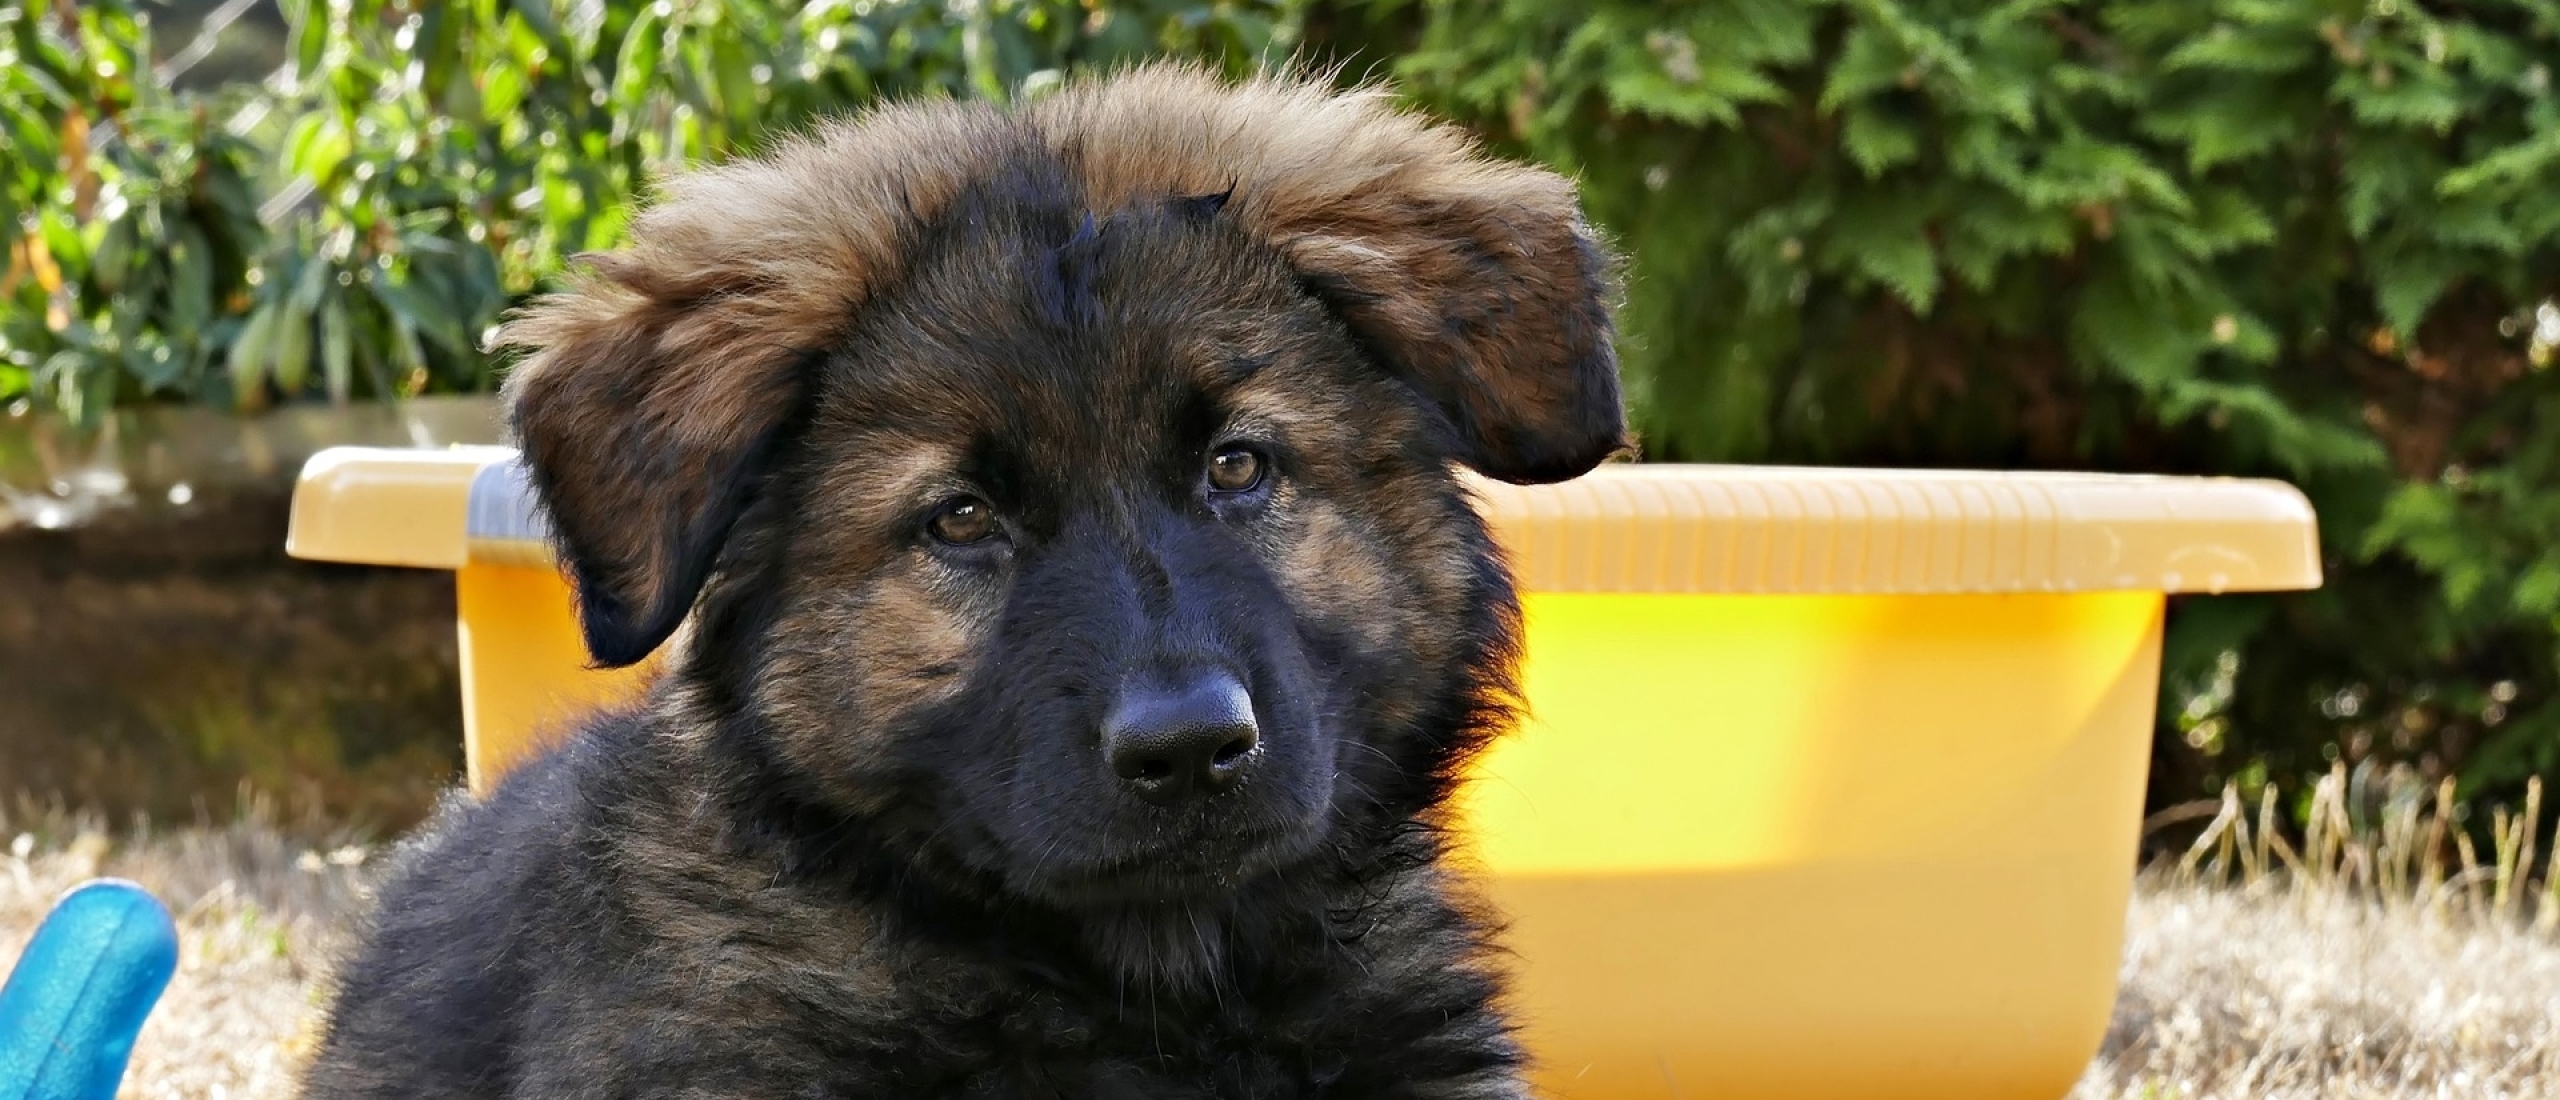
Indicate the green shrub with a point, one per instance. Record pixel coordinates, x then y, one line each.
2313 239
353 226
128 217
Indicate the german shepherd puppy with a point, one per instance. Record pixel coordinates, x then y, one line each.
1077 618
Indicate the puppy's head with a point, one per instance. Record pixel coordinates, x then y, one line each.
1070 492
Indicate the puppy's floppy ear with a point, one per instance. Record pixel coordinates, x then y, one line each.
1494 303
1478 280
662 377
646 420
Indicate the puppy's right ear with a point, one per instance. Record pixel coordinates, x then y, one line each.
663 375
646 420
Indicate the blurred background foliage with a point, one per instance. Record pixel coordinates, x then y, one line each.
2310 239
348 225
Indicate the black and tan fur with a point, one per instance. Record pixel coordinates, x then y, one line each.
860 841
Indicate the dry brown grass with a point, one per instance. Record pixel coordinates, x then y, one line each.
2360 967
2387 958
2283 994
255 913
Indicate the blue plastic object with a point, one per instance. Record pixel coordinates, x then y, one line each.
79 995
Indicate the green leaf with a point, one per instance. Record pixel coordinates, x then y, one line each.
112 263
307 24
337 349
2533 162
1884 236
1877 139
439 53
316 148
1909 266
251 356
2228 49
421 315
2537 592
584 26
2120 324
635 70
2081 170
406 353
732 72
2382 175
1716 96
2003 226
1869 62
61 370
2232 121
313 279
2227 220
292 343
2474 220
2411 521
502 88
538 16
2408 286
190 284
2420 98
2305 447
96 393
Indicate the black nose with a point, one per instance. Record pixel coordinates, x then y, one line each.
1191 737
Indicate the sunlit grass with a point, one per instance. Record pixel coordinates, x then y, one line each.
2383 956
256 911
2386 956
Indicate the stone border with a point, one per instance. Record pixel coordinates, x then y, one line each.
158 459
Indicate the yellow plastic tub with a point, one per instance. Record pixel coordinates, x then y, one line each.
1831 781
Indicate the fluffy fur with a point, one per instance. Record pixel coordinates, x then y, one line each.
861 839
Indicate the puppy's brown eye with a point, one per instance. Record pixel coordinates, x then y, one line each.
963 520
1235 470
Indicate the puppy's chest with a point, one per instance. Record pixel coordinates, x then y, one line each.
1048 1045
984 1033
866 1010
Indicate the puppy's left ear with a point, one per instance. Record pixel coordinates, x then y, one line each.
1485 287
1477 280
